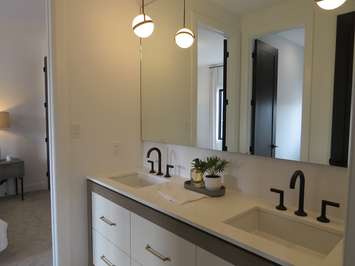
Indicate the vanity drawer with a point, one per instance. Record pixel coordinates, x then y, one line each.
106 254
154 246
205 258
134 263
112 221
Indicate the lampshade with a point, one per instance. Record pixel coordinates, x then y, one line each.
330 4
184 38
143 26
4 120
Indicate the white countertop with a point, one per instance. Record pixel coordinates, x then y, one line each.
209 214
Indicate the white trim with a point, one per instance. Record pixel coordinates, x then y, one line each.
349 255
50 137
42 185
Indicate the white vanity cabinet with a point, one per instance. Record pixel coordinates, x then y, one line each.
107 254
205 258
125 232
112 221
155 246
122 238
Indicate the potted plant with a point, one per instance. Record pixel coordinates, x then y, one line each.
197 172
214 168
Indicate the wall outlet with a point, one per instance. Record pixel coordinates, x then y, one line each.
116 147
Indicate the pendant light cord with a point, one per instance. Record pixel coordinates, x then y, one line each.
184 13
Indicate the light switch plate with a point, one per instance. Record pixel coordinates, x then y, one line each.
75 131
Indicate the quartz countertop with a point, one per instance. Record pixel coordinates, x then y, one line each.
210 214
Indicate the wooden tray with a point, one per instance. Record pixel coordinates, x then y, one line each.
214 194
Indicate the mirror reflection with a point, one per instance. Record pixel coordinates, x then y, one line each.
267 78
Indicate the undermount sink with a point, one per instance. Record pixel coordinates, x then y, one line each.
139 180
292 232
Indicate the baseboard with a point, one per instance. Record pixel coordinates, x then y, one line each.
35 186
8 188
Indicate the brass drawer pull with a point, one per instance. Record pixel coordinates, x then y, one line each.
107 221
157 254
106 260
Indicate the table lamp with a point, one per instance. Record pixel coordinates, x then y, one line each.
4 122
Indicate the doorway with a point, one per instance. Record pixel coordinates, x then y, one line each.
212 57
25 222
278 70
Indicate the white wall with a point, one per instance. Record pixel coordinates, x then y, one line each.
256 175
210 53
289 96
350 230
166 80
96 105
204 124
23 46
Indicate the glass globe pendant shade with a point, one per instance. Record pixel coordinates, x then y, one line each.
143 26
330 4
184 38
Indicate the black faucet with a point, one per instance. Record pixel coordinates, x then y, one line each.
152 171
299 174
168 167
323 218
281 206
159 159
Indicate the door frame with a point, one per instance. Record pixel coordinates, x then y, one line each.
56 210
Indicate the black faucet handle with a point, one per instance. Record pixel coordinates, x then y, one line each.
168 167
323 218
152 170
281 206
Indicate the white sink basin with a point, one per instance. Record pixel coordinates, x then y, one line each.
139 180
292 232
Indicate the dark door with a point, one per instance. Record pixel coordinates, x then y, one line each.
223 122
343 83
45 71
263 131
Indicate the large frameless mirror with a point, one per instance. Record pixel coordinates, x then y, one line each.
269 78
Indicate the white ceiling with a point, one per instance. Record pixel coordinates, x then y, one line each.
241 6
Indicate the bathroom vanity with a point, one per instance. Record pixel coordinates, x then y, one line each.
130 223
271 80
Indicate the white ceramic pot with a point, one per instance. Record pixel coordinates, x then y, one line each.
213 183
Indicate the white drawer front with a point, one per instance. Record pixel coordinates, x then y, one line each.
205 258
106 254
112 221
134 263
155 246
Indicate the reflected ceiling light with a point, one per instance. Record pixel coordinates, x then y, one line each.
143 25
330 4
184 38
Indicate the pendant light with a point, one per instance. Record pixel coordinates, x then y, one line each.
330 4
184 38
143 25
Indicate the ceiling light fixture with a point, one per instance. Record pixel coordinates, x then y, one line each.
143 25
330 4
184 38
